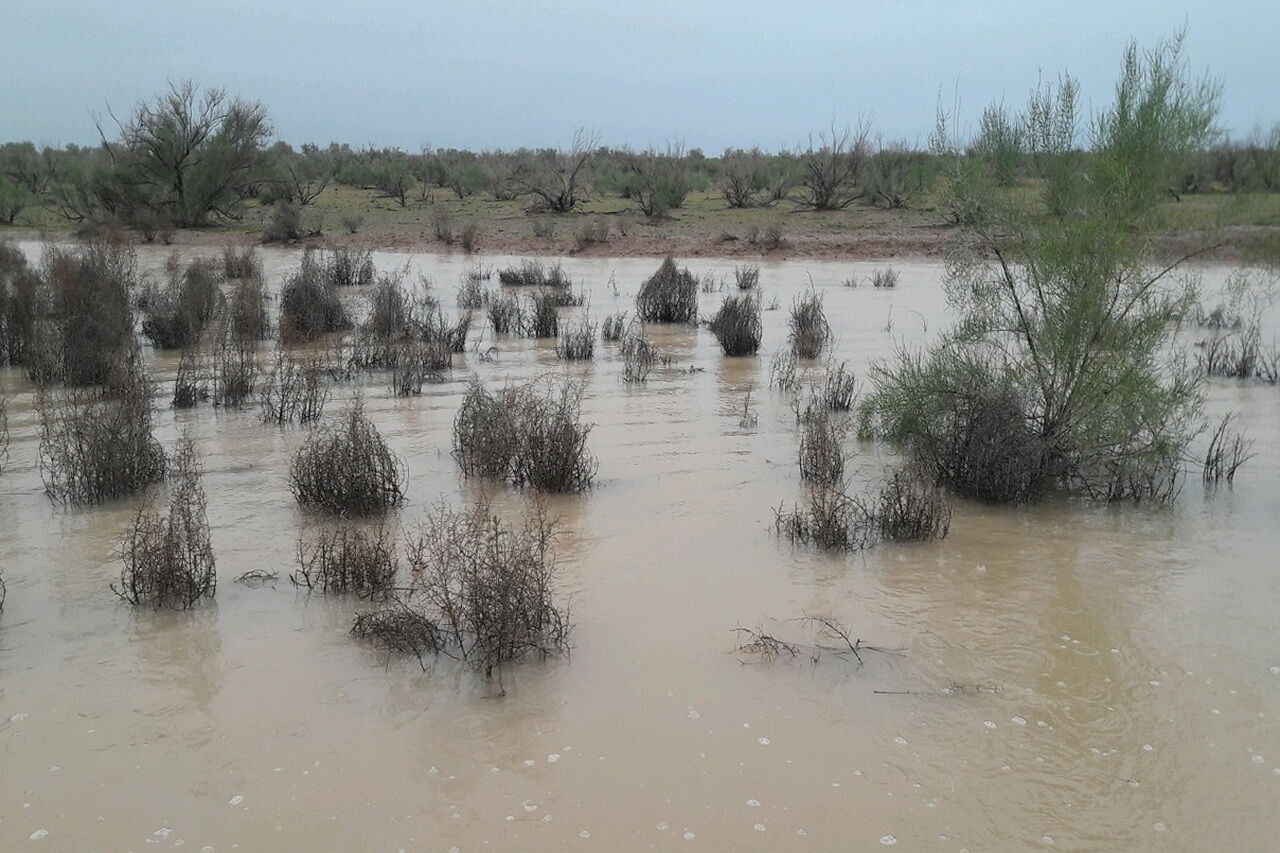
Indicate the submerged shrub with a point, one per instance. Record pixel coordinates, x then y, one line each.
414 363
528 435
826 517
168 558
505 315
737 325
822 453
839 386
294 390
96 444
909 508
782 372
235 373
240 264
534 274
347 468
670 295
173 316
246 316
482 591
613 327
189 384
810 331
309 304
472 293
887 277
85 333
746 277
21 295
639 355
348 558
577 341
347 267
542 320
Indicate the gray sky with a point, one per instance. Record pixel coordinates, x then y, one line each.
465 73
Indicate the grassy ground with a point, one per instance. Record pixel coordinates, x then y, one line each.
703 226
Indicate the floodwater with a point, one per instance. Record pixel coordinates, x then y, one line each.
1071 677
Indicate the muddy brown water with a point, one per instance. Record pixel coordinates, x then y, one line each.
1071 676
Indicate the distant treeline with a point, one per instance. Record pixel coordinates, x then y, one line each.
190 158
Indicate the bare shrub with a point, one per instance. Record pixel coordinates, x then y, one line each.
96 444
529 435
1227 451
472 293
887 277
21 296
542 319
544 227
293 391
482 591
505 314
839 387
168 559
4 431
310 305
347 267
822 440
639 355
348 558
782 372
347 468
577 341
737 325
826 517
670 295
235 373
834 168
86 331
909 508
456 335
469 236
535 274
414 363
746 277
246 316
810 332
190 385
392 311
593 233
442 227
353 223
241 263
285 225
773 237
173 316
614 326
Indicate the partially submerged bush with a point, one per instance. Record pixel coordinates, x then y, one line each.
810 331
737 325
670 295
482 591
577 341
348 558
21 295
173 316
639 355
887 277
168 559
747 277
505 315
542 319
534 274
294 390
414 363
189 382
96 444
309 304
909 508
472 293
822 451
782 372
347 468
528 435
240 264
235 373
87 333
347 267
246 316
839 386
613 327
826 517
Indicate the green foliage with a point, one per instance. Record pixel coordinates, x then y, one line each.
1063 322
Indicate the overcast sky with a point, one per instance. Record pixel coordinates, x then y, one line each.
505 73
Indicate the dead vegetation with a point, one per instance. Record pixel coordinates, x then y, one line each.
613 327
577 341
670 295
527 435
907 506
481 591
246 311
348 559
783 372
347 468
831 637
535 274
1228 450
240 263
746 277
505 314
839 387
234 373
542 319
639 355
737 325
168 558
347 267
190 385
310 305
822 446
96 443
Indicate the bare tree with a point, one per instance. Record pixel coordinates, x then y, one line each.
833 169
556 178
